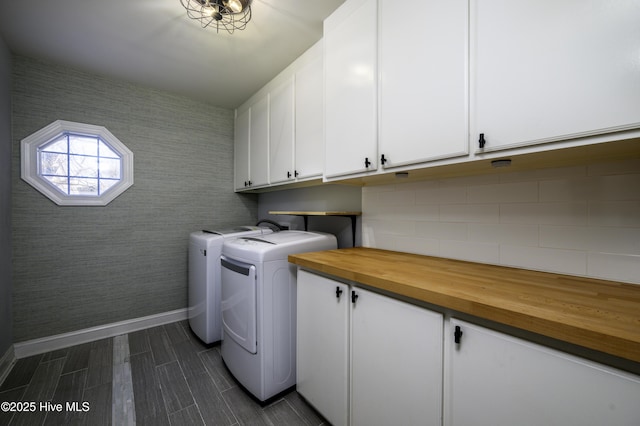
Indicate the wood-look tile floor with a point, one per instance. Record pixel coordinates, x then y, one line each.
176 380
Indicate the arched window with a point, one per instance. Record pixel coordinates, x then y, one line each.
76 164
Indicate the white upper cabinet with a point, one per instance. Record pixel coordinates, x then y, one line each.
281 132
251 145
416 86
544 71
241 149
350 56
395 90
259 143
309 136
423 81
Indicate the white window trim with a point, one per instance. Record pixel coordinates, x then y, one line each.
29 172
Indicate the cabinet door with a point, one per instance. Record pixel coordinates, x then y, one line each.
396 362
350 89
545 71
497 379
259 143
309 146
322 345
423 81
281 128
241 149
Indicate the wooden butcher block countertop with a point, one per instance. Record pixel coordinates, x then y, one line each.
597 314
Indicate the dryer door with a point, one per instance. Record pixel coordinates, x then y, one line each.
239 303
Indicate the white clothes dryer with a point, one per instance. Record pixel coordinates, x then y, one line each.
259 308
205 248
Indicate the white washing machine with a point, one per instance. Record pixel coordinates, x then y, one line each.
259 308
205 248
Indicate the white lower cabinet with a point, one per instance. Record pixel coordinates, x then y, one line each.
396 362
497 379
367 359
323 345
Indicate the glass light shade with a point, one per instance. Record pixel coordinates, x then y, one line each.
235 6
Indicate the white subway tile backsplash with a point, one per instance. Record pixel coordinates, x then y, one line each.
571 262
566 190
517 192
615 267
592 239
368 190
614 213
394 227
565 237
470 251
513 234
374 235
615 240
421 212
483 213
614 167
395 212
424 246
545 174
582 220
400 197
619 187
442 230
442 195
574 213
465 181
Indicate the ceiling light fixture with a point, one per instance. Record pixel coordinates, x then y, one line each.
228 15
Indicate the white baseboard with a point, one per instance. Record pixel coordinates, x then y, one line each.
6 363
59 341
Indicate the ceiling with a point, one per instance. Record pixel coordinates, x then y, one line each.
154 43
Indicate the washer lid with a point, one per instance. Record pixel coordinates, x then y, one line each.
277 246
238 230
285 237
210 239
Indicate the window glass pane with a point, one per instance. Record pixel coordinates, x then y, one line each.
106 151
59 145
59 183
76 164
81 166
109 168
82 186
53 164
83 145
105 184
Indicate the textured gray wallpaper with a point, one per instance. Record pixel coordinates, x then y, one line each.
6 338
78 267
